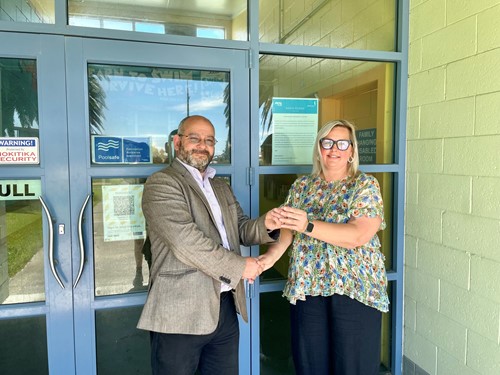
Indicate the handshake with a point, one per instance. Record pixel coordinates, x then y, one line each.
255 266
289 218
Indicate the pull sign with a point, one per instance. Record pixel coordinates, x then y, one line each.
15 190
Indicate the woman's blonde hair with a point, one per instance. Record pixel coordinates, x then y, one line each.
323 132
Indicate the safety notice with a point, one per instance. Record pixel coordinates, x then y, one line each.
19 150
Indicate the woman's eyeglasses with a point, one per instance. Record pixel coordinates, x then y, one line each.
327 143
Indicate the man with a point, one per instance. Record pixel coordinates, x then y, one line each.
196 227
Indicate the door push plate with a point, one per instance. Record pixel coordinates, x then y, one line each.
61 228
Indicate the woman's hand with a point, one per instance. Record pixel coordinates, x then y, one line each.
266 261
294 219
275 250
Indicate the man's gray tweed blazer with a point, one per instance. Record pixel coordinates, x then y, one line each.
188 260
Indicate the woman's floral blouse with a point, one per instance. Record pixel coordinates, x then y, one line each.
318 268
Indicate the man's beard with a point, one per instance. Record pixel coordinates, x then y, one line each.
189 158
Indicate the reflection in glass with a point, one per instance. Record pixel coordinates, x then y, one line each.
23 346
21 251
121 252
329 23
275 342
18 98
41 11
120 347
358 91
224 19
128 101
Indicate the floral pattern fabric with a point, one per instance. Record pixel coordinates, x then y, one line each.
318 268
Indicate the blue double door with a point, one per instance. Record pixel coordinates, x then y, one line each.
105 113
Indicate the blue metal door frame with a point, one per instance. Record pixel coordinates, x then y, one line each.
79 53
48 51
66 174
400 58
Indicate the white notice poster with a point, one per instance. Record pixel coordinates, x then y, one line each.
295 124
122 212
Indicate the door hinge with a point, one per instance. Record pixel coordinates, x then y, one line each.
250 59
250 176
250 290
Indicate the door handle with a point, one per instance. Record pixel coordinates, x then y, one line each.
51 242
80 240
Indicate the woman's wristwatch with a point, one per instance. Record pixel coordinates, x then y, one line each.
310 227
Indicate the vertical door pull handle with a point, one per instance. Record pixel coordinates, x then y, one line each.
80 239
51 242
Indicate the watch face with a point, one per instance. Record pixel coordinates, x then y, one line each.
310 227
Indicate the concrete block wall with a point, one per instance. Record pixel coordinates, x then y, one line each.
452 234
360 24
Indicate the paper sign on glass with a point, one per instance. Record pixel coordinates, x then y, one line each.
295 124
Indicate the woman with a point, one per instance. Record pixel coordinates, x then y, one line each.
336 277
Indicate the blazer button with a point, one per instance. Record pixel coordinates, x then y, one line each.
225 280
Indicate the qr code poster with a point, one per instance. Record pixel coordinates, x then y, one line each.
122 213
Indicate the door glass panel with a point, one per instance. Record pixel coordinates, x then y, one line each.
275 341
21 242
23 347
224 19
120 254
358 91
121 348
134 112
18 99
38 11
387 334
386 182
329 23
273 189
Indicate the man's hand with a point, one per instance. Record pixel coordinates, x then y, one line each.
252 270
274 218
294 219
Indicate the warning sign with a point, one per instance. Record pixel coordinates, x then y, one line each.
19 150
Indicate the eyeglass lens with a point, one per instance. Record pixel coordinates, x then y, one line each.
327 143
210 142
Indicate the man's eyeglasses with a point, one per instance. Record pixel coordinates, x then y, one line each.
327 143
194 139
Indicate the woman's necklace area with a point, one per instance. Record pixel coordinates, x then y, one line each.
333 180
